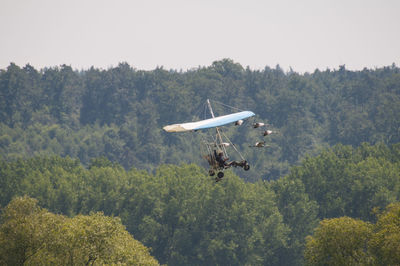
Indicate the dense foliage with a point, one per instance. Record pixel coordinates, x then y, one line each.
347 181
119 112
78 142
188 219
30 235
185 217
348 241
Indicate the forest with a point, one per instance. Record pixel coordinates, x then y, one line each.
88 146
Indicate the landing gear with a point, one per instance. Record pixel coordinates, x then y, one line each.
244 164
220 175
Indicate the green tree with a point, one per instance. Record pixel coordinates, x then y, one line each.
30 235
339 241
385 242
25 231
299 214
99 239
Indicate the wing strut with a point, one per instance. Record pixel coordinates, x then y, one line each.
217 129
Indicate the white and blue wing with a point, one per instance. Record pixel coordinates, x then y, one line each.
209 123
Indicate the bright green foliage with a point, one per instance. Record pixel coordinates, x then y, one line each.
30 235
26 230
385 243
348 241
99 239
339 241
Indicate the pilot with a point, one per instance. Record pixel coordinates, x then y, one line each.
219 157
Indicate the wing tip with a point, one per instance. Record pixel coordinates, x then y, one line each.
174 128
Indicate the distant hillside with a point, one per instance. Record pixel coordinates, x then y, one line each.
119 112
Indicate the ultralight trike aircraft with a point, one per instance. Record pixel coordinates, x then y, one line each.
217 144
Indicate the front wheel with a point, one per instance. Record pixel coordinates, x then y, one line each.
246 167
220 175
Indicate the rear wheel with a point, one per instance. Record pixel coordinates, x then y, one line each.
220 174
211 172
246 167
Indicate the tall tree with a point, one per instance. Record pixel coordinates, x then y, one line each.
339 241
385 242
30 235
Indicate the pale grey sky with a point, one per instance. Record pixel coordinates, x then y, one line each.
185 34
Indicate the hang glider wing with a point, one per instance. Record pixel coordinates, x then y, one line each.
209 123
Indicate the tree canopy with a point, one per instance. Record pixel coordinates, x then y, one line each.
30 235
186 218
119 112
84 165
348 241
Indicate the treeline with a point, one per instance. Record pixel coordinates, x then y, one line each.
185 218
119 112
